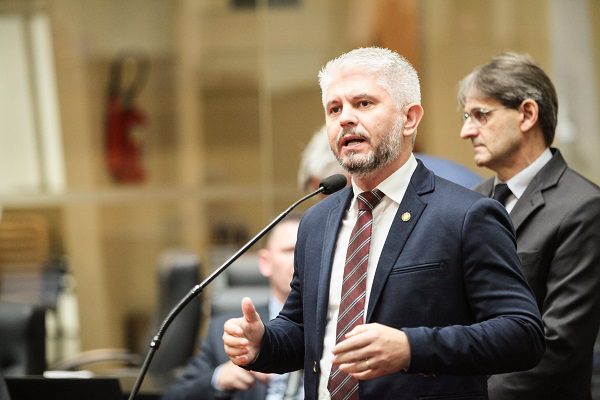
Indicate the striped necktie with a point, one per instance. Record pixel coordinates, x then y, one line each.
354 287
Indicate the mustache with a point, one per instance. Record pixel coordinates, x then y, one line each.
351 131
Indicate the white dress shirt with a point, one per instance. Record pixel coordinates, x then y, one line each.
518 183
394 188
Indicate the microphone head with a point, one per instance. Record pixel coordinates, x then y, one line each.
333 183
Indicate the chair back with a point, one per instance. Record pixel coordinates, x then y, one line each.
178 273
22 339
240 279
3 389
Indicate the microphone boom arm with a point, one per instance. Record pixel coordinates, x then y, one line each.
325 187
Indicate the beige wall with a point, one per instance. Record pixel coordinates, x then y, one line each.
456 36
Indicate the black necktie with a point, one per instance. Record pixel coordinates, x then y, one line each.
501 192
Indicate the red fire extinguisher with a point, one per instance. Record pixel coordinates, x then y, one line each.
124 121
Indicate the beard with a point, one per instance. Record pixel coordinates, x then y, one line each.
383 153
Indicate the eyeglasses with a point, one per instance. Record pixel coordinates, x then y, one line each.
479 116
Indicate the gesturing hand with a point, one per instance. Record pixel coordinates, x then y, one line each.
233 377
372 350
242 336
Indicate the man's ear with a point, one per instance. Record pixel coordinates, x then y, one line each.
414 113
530 110
264 263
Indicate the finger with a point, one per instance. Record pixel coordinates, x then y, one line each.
262 377
245 377
351 345
369 374
360 368
344 346
358 329
241 381
232 376
249 311
234 341
239 385
351 361
232 351
233 327
359 336
240 360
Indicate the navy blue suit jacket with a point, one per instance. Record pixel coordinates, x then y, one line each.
449 278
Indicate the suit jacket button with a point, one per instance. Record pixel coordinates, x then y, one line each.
315 367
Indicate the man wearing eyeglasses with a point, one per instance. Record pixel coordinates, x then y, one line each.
510 114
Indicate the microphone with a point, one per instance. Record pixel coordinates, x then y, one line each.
333 183
329 185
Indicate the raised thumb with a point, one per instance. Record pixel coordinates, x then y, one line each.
249 311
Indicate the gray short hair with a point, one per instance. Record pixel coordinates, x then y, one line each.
317 160
511 78
394 73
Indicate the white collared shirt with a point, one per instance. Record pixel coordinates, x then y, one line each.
394 188
518 183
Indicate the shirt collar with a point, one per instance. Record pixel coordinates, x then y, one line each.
274 307
394 186
518 183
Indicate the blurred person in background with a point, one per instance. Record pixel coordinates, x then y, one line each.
510 115
210 374
317 162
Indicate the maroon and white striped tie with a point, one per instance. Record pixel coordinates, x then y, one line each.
354 288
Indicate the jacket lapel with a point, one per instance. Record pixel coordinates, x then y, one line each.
485 188
421 182
532 198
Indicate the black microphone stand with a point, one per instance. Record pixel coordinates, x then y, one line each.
196 290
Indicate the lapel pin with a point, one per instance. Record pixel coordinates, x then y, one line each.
406 216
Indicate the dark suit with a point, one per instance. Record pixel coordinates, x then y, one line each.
195 383
557 222
449 277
